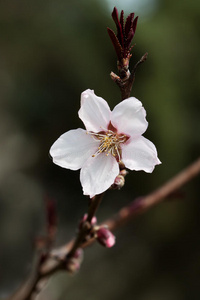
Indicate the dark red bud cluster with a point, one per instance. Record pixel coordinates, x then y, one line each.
125 33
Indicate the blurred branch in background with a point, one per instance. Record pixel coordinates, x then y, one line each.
56 260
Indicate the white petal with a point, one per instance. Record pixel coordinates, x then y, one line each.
140 154
94 111
98 174
72 148
129 117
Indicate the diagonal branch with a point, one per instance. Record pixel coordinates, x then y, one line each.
54 262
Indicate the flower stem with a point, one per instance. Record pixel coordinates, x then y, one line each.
84 231
125 83
95 202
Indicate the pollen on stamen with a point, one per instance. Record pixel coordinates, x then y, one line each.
109 143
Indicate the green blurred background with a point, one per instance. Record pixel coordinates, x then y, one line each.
51 51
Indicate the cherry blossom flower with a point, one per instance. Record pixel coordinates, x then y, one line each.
110 138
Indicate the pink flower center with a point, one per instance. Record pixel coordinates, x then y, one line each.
109 143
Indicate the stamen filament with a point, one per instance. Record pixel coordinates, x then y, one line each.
109 143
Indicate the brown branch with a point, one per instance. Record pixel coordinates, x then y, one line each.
86 226
30 286
126 79
95 202
140 205
55 261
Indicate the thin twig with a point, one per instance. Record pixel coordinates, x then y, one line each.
86 226
125 82
142 204
94 205
138 206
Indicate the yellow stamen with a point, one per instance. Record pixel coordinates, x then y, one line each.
109 143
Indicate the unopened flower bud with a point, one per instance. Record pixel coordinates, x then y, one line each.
84 218
94 220
73 263
105 237
78 254
123 172
119 182
72 266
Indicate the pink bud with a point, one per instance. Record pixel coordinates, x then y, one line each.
119 181
72 266
123 172
105 237
73 263
94 220
78 254
84 218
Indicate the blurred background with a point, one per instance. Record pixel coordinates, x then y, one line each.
51 51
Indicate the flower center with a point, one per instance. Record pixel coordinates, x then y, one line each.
109 143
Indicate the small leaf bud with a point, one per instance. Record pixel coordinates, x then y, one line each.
73 263
83 220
